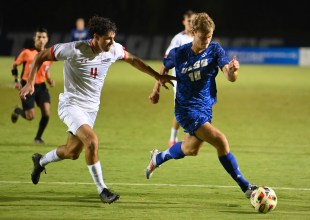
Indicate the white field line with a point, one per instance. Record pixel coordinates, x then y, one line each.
150 184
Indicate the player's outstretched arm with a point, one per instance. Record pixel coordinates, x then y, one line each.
154 96
42 56
231 70
143 67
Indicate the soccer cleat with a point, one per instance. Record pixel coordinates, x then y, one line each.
249 191
14 115
108 197
171 143
37 168
152 165
38 141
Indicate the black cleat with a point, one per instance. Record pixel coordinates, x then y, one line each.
38 141
37 168
108 197
14 115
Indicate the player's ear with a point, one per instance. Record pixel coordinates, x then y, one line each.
96 37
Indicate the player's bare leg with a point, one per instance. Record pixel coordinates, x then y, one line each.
71 150
90 141
216 138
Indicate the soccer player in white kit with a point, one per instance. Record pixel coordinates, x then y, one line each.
85 67
179 39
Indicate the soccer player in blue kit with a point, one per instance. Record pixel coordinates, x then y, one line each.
196 65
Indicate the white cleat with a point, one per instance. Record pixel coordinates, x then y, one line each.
152 165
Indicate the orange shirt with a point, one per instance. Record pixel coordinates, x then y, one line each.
26 57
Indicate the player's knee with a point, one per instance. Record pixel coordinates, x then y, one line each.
222 145
29 117
221 140
92 145
73 155
192 152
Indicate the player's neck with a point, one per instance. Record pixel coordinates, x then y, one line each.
197 50
94 46
39 48
189 33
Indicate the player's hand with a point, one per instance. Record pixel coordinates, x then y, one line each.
28 89
233 65
154 97
163 79
18 85
51 82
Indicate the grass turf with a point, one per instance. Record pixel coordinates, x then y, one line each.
264 114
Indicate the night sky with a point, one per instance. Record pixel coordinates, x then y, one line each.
263 19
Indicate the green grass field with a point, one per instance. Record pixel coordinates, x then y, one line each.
265 115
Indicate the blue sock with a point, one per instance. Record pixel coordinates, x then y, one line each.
230 164
174 152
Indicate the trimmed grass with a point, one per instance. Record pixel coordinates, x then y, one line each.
264 114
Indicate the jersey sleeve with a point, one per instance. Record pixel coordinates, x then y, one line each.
169 61
222 57
118 52
63 51
21 58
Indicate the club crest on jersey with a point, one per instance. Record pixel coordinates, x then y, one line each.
197 65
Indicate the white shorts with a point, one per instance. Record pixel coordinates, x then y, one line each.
74 117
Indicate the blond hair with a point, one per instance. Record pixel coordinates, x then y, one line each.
203 23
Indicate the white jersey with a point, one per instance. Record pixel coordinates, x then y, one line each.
179 40
85 71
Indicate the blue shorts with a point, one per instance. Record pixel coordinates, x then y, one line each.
192 120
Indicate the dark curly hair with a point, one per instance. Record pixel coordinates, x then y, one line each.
100 25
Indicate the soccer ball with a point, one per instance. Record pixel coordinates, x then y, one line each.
264 199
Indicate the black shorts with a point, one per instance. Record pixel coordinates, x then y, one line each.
40 96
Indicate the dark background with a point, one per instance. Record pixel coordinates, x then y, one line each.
259 19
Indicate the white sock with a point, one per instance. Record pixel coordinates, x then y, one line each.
96 173
174 134
49 157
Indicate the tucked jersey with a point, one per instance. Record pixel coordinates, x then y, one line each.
196 75
85 71
26 58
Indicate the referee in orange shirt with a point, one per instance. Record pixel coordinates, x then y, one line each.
41 95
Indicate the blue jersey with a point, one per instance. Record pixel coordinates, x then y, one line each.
77 35
196 87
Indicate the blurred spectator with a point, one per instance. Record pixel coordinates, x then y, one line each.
80 32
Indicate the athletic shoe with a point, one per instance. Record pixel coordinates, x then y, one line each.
37 168
14 115
38 141
249 191
108 197
171 143
152 165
